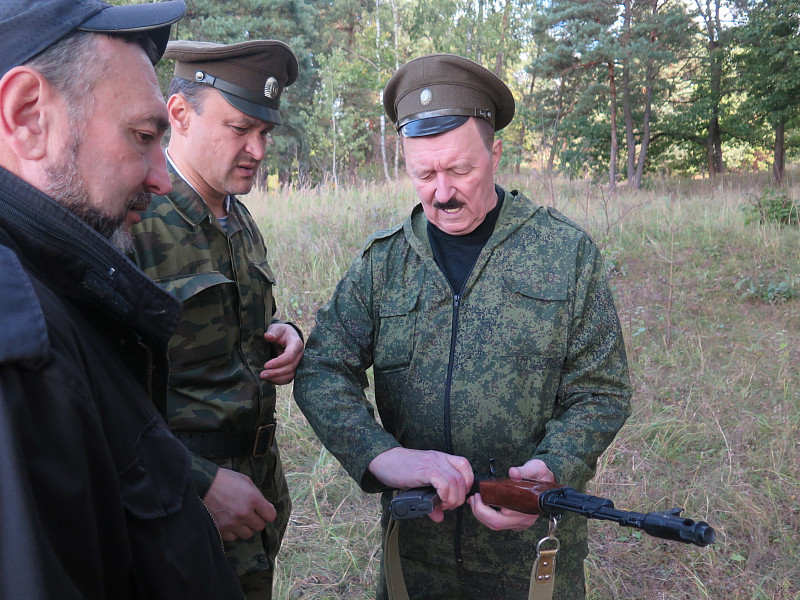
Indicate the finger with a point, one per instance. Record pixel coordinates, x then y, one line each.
450 486
437 516
227 536
242 532
461 464
266 511
277 380
500 520
283 360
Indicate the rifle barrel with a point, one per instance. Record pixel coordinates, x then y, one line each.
665 525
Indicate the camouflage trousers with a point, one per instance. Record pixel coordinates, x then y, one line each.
257 586
425 581
254 558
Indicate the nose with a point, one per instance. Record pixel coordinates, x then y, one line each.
444 189
157 180
256 146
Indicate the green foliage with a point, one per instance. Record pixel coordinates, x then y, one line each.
557 57
291 21
771 292
773 206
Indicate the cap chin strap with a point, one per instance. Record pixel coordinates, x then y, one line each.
480 113
236 90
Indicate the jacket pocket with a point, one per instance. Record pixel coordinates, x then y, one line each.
536 317
154 484
263 280
394 337
208 320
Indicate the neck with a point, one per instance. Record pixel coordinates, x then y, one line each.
214 200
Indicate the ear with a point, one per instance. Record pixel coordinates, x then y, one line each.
497 153
180 113
27 112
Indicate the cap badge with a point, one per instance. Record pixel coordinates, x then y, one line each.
271 87
425 96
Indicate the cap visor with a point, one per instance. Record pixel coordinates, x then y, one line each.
432 125
135 17
270 115
153 19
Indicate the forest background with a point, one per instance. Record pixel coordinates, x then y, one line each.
665 129
607 89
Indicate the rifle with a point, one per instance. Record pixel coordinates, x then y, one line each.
544 498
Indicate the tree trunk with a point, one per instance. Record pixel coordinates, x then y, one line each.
396 66
780 150
627 103
498 65
383 114
710 15
648 104
612 167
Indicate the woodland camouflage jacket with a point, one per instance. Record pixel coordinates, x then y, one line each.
527 362
218 350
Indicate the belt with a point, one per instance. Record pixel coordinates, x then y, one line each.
228 444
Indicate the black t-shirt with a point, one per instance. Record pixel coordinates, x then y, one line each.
456 254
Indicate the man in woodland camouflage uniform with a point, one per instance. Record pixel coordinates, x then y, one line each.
200 243
492 334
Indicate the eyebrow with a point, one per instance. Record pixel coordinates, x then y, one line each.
160 124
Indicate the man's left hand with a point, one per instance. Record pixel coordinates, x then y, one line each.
281 369
503 519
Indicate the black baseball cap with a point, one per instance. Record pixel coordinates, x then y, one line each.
27 27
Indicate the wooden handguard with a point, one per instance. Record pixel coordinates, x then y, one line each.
521 495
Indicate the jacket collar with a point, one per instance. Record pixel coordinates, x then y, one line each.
191 206
80 264
516 210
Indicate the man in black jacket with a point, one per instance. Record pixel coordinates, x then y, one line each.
95 496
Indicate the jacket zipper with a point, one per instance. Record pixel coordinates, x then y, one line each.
85 256
447 422
448 436
216 527
149 368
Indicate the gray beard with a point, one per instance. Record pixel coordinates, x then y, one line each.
65 185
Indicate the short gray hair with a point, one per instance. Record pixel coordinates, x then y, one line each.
195 93
72 67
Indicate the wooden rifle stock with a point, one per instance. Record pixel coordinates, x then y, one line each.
519 495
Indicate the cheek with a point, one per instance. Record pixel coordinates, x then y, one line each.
424 190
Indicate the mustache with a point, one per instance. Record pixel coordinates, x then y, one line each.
451 204
140 201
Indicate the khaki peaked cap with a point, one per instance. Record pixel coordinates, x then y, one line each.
251 76
438 92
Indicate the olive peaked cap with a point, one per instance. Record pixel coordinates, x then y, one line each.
439 92
251 76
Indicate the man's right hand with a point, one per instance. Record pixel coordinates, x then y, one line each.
403 468
237 506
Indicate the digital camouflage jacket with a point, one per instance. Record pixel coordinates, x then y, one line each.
218 350
527 361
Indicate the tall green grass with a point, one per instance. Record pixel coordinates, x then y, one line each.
710 311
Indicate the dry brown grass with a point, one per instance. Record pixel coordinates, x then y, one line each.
716 368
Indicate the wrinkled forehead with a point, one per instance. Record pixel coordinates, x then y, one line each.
128 84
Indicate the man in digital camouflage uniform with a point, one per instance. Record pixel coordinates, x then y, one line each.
200 243
492 334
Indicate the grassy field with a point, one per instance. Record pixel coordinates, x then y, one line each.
710 307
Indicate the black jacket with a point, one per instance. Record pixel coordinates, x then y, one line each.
95 496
